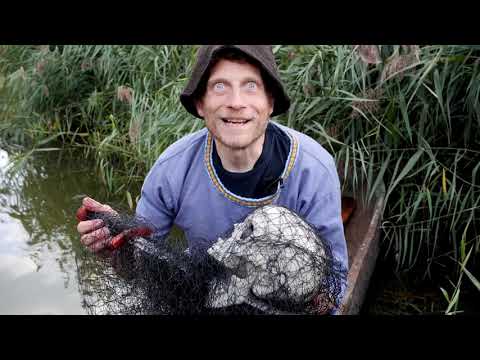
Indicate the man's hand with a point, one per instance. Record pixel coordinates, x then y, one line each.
94 234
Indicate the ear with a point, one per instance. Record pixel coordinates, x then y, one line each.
271 103
199 107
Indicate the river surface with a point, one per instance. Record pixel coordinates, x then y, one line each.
39 244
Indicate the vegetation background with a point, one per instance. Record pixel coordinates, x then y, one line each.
404 115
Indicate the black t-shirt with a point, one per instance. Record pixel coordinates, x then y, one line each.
262 180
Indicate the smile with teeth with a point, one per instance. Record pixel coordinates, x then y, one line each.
235 121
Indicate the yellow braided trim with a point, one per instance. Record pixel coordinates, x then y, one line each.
220 188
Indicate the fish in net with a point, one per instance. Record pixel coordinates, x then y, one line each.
273 262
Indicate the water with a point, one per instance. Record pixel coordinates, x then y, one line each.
40 248
39 244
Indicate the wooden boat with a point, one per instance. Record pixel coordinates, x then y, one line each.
362 233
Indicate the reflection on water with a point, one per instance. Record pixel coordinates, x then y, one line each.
38 238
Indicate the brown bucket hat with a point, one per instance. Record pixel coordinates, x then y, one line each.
263 54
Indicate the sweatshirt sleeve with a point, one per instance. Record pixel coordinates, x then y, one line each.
156 201
320 205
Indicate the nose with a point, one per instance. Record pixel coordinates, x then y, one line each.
236 100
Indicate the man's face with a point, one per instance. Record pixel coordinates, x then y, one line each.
236 106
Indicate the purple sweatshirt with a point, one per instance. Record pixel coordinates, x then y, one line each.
182 188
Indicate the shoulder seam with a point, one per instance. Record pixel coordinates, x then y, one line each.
316 158
322 163
180 151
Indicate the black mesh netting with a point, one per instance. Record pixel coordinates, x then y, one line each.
271 263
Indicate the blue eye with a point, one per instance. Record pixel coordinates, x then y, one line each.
219 86
251 85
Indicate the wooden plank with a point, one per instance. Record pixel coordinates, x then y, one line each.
362 233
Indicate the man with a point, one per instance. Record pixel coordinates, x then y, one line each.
209 180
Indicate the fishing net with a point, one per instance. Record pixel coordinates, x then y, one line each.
273 262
